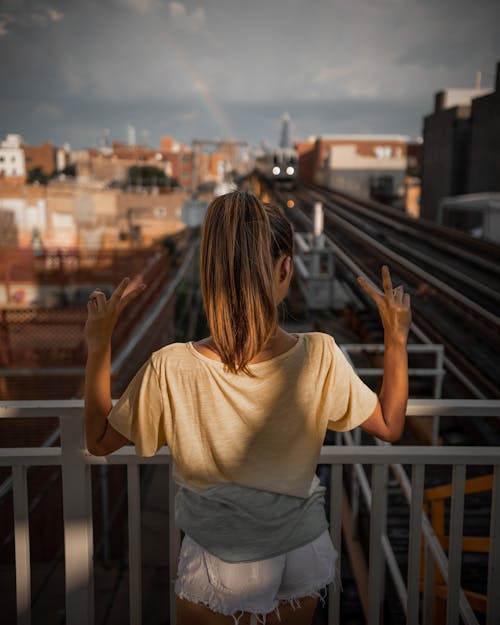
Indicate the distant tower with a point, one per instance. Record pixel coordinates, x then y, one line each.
285 141
105 138
131 135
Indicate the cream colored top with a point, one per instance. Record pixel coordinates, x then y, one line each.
263 432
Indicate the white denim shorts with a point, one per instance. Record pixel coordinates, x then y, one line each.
256 587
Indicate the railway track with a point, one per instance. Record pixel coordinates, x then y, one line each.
474 285
478 252
449 305
448 308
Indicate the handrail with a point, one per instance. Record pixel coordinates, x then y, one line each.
434 548
76 463
464 408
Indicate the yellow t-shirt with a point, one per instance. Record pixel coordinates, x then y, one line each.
263 432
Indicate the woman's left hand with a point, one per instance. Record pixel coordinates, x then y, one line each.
103 314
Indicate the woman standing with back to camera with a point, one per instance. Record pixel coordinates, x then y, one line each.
244 413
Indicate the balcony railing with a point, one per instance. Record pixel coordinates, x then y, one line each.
75 463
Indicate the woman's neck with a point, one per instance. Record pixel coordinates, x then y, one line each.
280 342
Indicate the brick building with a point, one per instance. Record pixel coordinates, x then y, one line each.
307 153
8 229
365 165
132 152
461 146
42 157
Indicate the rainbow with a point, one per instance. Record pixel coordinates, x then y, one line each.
210 104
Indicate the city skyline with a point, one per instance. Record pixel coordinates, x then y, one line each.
230 70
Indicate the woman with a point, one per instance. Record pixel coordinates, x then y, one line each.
244 413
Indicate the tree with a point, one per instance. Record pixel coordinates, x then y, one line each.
148 176
36 175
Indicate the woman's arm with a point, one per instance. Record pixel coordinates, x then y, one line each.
103 314
388 419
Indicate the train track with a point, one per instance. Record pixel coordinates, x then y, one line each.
446 309
473 280
484 254
450 304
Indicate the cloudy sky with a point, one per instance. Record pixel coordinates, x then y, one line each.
230 68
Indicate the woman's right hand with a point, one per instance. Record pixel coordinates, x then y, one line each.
103 313
393 306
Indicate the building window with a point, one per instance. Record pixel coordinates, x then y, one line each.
383 151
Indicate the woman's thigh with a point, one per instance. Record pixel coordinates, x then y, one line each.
189 613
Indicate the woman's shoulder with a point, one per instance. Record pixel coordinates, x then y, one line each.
319 339
173 353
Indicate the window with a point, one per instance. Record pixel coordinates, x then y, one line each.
383 151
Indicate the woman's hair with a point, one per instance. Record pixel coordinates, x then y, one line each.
242 238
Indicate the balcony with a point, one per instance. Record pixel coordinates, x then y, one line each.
408 466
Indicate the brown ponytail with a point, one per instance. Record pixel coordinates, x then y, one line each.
241 240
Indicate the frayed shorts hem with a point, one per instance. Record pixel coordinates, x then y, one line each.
260 617
203 578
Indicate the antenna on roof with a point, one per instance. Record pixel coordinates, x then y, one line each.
285 131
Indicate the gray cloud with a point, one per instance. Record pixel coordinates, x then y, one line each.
190 67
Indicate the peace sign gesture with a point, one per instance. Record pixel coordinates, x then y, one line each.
393 306
103 313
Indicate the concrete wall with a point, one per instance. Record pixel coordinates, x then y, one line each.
461 146
28 214
359 181
484 163
444 160
67 215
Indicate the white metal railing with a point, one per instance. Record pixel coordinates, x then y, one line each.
435 350
75 463
435 373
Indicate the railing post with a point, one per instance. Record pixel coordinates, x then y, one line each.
428 592
174 540
455 545
376 573
336 488
77 510
356 435
493 609
414 547
134 543
438 387
22 545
